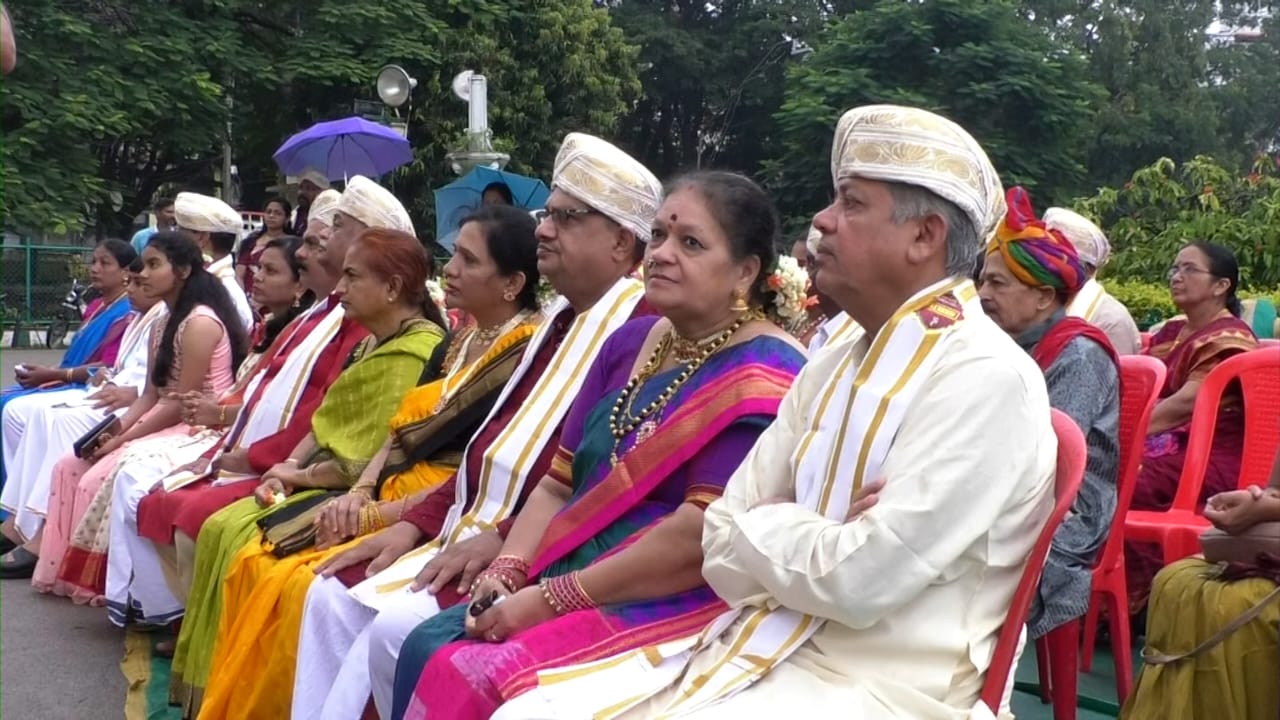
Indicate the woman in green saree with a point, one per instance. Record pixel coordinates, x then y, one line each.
493 277
383 287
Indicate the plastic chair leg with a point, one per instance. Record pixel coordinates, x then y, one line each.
1121 649
1063 642
1090 630
1043 663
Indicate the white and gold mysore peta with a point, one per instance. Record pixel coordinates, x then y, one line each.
1085 303
853 423
508 460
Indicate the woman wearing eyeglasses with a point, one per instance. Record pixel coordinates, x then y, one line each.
1203 281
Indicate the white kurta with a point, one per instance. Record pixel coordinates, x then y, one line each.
341 639
224 270
915 591
40 428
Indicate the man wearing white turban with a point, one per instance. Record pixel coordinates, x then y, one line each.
1093 303
313 350
216 227
590 237
869 546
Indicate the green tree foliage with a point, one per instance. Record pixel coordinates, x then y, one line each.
1172 90
128 96
1166 205
713 75
1025 97
109 101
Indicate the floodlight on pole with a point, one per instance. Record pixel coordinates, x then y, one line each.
395 85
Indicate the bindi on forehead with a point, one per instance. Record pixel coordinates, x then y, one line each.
674 217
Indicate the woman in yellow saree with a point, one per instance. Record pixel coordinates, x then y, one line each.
492 277
383 289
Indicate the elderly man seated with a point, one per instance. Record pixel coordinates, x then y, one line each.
836 609
1093 302
1030 276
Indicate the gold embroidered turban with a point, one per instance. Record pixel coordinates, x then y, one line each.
908 145
1090 241
374 205
610 181
323 208
202 213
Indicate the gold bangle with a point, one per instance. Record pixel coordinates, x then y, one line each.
70 376
222 414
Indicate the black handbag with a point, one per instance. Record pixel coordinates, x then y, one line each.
89 442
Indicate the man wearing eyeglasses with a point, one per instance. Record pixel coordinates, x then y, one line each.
590 238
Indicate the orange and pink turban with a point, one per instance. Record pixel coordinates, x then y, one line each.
1036 255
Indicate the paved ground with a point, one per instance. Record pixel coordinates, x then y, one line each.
57 660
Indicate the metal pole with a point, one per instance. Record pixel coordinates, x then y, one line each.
26 310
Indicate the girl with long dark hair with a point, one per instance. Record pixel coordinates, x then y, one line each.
199 348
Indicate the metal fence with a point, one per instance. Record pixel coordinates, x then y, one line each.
35 279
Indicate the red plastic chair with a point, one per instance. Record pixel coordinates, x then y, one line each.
1070 473
1141 380
1177 530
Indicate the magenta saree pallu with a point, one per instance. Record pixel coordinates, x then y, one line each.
687 458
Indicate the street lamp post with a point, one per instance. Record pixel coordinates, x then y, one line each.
479 151
712 142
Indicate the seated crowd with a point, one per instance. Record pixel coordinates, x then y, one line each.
676 486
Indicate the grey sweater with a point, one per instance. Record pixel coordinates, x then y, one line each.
1084 383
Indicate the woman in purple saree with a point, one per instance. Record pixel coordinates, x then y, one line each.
613 540
1203 282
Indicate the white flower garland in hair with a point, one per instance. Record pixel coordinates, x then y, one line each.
790 285
545 292
435 291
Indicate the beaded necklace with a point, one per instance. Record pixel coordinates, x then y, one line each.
622 418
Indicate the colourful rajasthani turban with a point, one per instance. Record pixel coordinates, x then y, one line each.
1036 255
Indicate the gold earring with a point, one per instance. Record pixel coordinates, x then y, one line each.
508 296
739 302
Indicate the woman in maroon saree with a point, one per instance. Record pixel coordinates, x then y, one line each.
1202 281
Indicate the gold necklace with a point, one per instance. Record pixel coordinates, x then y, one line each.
456 378
486 336
622 418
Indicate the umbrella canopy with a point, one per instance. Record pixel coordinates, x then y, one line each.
462 196
342 148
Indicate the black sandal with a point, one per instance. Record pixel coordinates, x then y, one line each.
19 563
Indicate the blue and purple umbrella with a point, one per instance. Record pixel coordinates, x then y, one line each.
342 148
